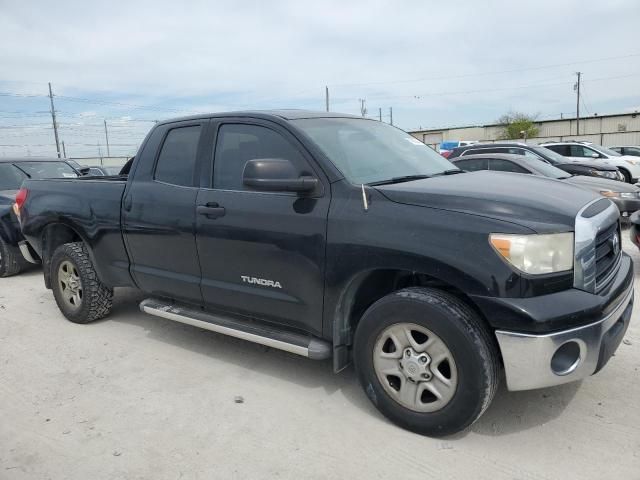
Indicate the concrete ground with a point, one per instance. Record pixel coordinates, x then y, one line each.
138 397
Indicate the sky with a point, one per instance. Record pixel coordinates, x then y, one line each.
436 63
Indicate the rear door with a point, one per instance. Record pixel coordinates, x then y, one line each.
262 253
159 212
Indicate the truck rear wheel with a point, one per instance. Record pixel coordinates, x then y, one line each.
426 361
11 261
78 291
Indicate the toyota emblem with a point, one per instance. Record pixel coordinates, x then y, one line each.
615 244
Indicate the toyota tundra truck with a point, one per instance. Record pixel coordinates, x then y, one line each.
333 236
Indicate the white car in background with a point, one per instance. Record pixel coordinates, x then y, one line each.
627 164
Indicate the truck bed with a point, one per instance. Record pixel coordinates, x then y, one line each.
86 204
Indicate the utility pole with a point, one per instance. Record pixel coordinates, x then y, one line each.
64 152
391 115
106 136
577 89
363 106
326 97
380 113
53 117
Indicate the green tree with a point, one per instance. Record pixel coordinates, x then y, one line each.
514 123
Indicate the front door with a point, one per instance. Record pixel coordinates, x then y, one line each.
159 213
262 253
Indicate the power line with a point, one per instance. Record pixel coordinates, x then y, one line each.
495 72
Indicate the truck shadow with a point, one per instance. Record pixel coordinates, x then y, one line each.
510 412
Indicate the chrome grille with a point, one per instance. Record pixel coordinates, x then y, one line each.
596 257
608 253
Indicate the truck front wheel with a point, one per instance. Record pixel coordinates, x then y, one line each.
78 291
426 361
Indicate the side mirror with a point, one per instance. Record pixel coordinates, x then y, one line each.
84 170
595 155
276 175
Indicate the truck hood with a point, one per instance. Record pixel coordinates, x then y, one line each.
599 184
542 204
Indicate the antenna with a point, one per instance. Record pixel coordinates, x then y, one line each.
364 199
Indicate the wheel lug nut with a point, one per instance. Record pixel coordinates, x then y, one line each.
407 354
423 359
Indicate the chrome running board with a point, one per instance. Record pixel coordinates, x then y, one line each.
297 343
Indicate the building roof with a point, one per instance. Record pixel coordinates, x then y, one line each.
563 119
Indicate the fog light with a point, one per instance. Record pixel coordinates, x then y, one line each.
566 359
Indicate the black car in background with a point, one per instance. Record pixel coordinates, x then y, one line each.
633 150
102 171
13 171
625 196
574 167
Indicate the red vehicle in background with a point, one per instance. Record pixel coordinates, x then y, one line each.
446 148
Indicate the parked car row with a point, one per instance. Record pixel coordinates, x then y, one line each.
628 165
583 166
578 158
625 196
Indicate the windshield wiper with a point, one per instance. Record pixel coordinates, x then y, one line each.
451 171
405 178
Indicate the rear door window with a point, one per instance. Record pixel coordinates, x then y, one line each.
177 159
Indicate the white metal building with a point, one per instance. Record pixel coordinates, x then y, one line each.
607 130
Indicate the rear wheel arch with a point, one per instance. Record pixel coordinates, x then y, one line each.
53 236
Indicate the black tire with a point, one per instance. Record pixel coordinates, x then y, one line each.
626 174
11 260
472 346
96 298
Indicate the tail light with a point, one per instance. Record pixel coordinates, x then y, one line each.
21 197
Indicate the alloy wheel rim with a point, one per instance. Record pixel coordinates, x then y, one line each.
415 367
70 285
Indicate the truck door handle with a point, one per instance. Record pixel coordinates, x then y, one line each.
211 210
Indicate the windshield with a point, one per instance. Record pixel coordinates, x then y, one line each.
544 168
10 177
605 150
549 154
367 151
46 169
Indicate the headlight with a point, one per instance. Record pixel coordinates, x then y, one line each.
609 193
535 254
629 195
632 162
604 173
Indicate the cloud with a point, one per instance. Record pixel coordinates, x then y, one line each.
428 60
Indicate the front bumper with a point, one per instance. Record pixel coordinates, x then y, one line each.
536 361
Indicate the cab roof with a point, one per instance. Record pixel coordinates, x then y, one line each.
282 114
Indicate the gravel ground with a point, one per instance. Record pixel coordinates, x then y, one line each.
137 397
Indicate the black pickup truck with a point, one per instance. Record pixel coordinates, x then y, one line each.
331 236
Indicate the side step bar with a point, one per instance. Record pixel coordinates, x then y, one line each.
299 344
